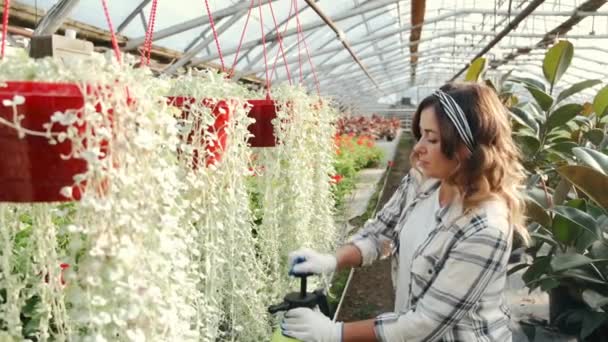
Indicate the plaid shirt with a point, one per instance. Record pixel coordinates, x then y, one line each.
458 274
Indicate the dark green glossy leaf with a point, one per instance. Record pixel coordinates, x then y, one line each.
549 283
525 118
563 147
592 158
591 322
543 99
595 136
563 114
528 144
546 238
575 88
578 217
580 274
564 262
541 266
529 82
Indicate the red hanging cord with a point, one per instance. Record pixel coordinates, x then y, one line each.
276 58
111 27
264 47
279 37
147 48
299 32
4 26
314 73
238 49
217 42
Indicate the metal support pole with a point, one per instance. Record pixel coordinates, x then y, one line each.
341 37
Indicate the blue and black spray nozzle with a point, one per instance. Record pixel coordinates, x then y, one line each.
303 299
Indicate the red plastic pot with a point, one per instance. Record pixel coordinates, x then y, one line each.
263 111
32 170
222 112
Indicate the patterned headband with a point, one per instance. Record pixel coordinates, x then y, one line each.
456 115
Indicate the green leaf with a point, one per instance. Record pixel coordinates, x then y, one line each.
549 283
600 103
563 147
583 275
529 144
525 118
575 88
578 217
591 182
546 238
592 158
563 114
599 250
595 136
527 81
591 322
557 60
564 262
475 69
540 266
543 99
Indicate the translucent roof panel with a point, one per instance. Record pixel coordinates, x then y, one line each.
379 32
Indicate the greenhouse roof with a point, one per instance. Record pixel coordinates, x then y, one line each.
405 48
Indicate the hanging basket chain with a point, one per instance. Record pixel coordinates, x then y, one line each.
147 48
299 35
264 49
112 33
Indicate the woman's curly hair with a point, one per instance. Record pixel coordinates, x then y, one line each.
493 169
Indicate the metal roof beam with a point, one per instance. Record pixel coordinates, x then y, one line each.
190 24
366 7
55 17
138 10
187 56
589 6
510 27
341 38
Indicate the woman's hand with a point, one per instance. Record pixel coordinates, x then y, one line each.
310 326
307 261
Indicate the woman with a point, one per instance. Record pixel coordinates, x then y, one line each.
450 225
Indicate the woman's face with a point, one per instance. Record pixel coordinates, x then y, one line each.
430 160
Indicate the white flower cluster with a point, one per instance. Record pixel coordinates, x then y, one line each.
163 246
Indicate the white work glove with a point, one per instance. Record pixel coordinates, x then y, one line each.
306 325
306 260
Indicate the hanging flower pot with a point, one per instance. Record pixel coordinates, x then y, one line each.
222 111
263 111
34 167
